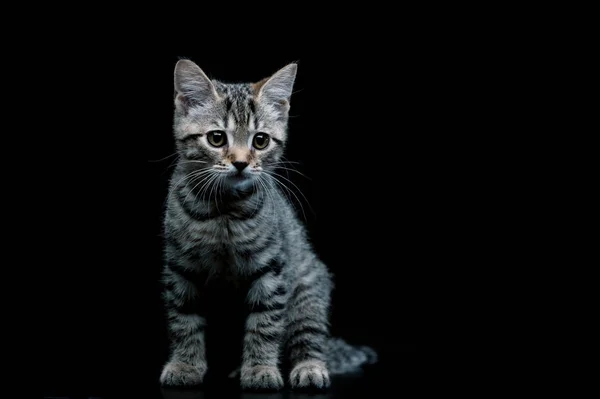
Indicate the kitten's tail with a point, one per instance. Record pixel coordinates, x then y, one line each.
345 358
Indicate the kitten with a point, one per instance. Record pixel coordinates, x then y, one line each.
226 221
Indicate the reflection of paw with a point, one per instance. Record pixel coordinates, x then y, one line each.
261 377
176 373
310 374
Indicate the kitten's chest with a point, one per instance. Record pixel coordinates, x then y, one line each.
223 231
226 245
234 240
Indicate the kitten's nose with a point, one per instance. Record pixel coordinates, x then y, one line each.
240 165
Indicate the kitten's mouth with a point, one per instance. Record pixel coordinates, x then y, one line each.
239 179
240 182
238 176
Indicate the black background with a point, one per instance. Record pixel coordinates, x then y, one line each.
371 132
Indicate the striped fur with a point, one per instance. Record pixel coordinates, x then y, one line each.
226 219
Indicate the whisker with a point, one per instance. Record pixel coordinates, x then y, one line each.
288 190
218 192
192 176
254 189
202 179
285 160
208 182
180 162
192 173
191 161
262 191
162 159
210 185
293 170
273 177
297 188
266 187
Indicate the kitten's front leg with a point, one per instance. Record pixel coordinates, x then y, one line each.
264 332
308 331
187 363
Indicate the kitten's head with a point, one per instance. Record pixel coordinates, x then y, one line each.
232 132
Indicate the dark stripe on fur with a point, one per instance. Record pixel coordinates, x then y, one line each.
191 212
265 335
190 138
272 319
189 306
280 291
275 317
189 275
195 152
300 288
307 344
276 265
309 331
254 251
174 319
273 265
273 155
307 349
299 356
249 212
174 245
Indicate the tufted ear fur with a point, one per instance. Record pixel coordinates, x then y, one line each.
192 86
278 88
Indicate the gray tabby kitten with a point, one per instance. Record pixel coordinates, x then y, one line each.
226 220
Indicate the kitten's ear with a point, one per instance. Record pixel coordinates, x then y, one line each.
192 86
278 88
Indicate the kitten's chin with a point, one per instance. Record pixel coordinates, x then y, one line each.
240 185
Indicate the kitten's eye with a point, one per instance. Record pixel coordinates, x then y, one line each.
217 138
260 141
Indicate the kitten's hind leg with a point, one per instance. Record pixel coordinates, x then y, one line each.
308 329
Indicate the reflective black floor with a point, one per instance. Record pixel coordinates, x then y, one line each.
397 378
368 384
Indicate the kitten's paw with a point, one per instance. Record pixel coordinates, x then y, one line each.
310 374
261 377
176 373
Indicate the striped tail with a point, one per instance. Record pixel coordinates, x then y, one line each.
345 358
